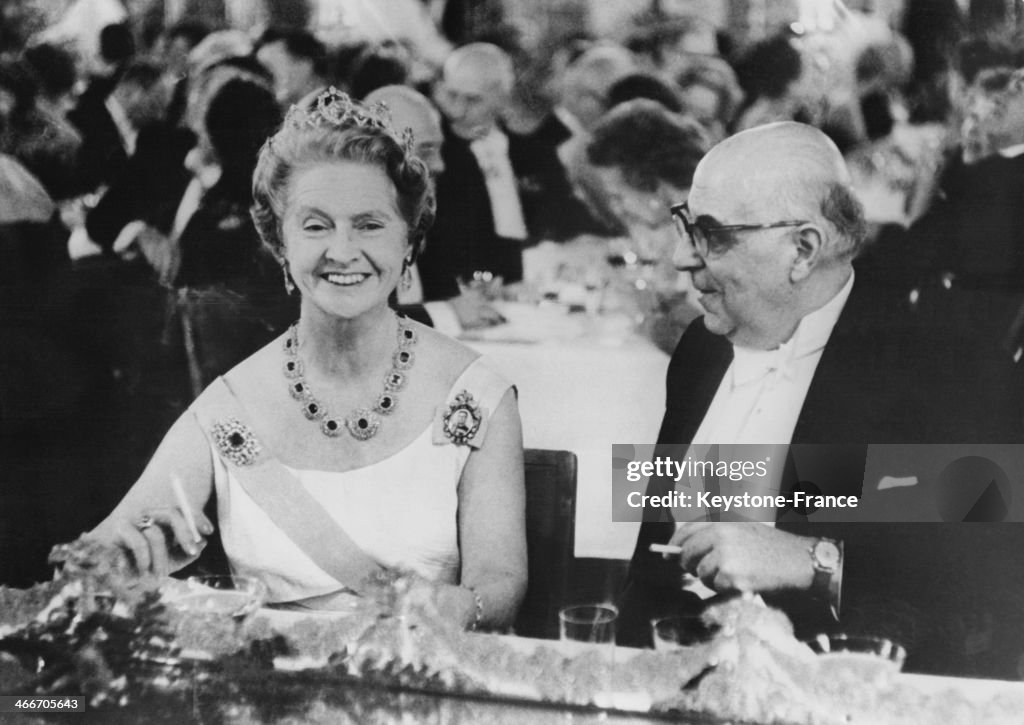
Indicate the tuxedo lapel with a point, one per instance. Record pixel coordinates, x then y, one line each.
819 418
696 371
854 394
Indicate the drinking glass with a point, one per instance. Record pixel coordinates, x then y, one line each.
481 282
593 623
677 631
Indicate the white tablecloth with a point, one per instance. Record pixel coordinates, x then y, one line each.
587 387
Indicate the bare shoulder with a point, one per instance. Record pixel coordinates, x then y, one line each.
259 380
445 357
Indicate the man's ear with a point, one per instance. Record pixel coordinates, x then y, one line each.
809 243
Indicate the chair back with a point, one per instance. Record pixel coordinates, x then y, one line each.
550 539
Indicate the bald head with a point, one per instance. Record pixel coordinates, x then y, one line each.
789 170
587 81
410 109
488 61
772 228
475 88
794 145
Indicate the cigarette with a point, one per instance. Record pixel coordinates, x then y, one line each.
666 549
186 510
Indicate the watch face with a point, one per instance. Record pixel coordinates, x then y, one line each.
826 555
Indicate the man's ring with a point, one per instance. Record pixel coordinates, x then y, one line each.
144 523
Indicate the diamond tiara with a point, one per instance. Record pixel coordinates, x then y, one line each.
336 109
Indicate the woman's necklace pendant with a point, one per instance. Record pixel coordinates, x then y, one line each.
362 424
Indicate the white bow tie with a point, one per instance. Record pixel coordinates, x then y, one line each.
753 365
492 153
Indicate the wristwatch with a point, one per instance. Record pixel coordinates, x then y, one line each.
826 556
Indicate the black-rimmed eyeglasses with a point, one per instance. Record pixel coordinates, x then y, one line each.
702 237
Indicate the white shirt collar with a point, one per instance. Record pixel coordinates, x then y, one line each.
493 140
1012 151
810 336
568 120
125 129
491 153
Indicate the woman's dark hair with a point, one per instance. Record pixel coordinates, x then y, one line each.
53 68
239 118
768 68
337 130
644 85
648 144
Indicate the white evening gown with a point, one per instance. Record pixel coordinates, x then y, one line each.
401 511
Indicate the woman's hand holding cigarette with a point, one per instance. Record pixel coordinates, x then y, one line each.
159 539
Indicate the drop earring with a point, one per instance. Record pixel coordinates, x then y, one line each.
406 280
289 284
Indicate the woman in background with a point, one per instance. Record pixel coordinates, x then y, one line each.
645 157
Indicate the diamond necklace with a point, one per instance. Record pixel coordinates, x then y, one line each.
361 423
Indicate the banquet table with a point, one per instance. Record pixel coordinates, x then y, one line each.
585 382
178 659
240 693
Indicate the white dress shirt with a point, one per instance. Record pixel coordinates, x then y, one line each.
761 395
762 392
491 153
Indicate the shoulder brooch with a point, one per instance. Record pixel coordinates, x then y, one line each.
461 422
236 442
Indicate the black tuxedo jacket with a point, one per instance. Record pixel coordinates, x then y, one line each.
972 231
149 187
462 239
102 157
879 380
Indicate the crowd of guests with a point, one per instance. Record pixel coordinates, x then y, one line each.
145 171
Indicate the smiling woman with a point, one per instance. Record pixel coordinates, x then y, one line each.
321 479
348 238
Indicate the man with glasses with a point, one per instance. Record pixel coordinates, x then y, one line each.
790 350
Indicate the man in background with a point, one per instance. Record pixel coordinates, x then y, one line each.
110 126
500 190
297 60
411 110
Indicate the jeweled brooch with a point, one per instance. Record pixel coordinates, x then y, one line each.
462 420
236 441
